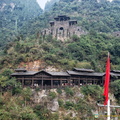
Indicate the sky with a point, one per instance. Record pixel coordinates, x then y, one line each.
42 3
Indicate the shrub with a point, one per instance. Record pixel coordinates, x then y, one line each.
55 116
42 112
69 91
115 88
59 91
69 105
60 102
94 91
52 95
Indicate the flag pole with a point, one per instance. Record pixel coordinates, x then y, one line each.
106 87
108 105
108 110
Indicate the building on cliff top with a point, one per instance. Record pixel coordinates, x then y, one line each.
63 28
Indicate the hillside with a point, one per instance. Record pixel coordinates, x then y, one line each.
69 103
100 19
22 45
91 15
13 15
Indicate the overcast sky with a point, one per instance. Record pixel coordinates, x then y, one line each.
42 3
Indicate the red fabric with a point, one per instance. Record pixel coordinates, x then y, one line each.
107 80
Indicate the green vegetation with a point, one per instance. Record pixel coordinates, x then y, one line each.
94 91
52 95
14 14
20 32
69 91
115 88
17 103
59 91
89 51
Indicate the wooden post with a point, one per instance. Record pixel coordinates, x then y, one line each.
60 83
51 83
68 82
32 82
42 83
79 82
23 82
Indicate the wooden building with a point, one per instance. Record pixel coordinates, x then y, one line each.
77 76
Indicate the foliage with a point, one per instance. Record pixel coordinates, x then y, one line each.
95 91
6 82
44 114
26 94
14 15
115 88
69 91
59 91
89 51
69 105
52 95
60 102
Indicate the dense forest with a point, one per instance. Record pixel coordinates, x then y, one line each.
20 42
13 15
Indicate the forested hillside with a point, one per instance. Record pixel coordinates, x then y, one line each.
49 4
100 19
21 44
13 15
91 15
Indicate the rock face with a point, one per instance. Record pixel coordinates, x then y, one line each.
53 106
40 96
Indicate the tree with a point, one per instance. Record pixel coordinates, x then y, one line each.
115 88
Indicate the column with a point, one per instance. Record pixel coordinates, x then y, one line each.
32 82
79 82
23 82
51 83
42 83
68 82
60 83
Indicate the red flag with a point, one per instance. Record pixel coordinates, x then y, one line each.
107 80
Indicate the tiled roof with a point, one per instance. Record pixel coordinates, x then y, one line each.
116 71
68 73
59 73
85 73
115 74
33 73
24 73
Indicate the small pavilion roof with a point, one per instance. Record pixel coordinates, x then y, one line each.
83 70
20 70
